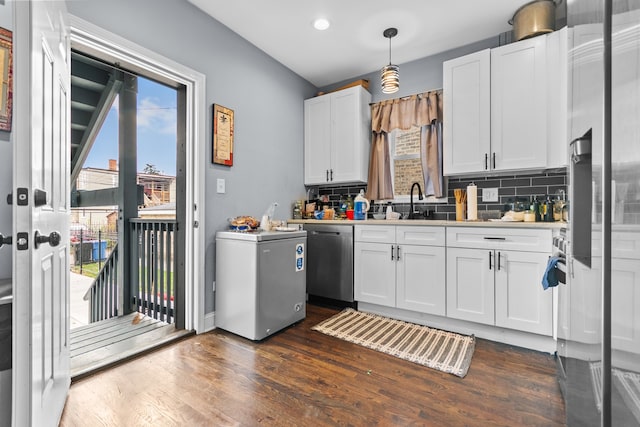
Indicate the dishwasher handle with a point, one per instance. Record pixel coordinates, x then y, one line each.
332 233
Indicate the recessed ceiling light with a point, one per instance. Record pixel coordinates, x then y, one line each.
321 24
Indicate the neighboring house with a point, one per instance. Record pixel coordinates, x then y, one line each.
159 190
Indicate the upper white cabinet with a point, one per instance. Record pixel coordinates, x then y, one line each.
467 108
505 108
519 105
557 99
337 128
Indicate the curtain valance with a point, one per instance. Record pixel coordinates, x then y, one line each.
423 110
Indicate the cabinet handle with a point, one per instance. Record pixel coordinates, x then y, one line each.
499 261
490 259
495 238
327 171
392 258
398 253
486 161
494 160
331 174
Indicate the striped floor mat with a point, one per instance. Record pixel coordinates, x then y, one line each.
445 351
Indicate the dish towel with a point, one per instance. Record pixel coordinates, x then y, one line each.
549 278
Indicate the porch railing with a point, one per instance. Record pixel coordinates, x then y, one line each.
103 292
153 264
152 258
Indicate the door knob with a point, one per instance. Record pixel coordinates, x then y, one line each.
53 239
5 240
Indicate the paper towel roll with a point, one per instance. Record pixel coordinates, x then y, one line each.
472 202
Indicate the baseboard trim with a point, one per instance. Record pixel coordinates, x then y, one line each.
209 321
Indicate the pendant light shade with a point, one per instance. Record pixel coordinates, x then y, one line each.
390 74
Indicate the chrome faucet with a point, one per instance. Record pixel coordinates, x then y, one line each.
412 214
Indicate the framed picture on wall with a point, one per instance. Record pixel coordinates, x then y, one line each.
222 135
6 79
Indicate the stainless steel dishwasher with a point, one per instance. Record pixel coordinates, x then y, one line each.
330 261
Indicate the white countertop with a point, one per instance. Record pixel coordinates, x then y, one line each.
434 223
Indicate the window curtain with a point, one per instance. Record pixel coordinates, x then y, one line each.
423 110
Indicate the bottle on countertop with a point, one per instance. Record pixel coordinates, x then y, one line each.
360 206
537 209
548 210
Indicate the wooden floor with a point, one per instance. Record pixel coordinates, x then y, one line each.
101 344
301 377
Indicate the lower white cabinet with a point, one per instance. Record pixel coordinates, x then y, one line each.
586 303
470 285
498 286
392 272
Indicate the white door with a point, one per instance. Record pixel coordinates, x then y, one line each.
467 113
375 273
421 283
317 140
519 105
470 285
521 301
41 162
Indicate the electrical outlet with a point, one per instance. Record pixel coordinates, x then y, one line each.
220 186
490 195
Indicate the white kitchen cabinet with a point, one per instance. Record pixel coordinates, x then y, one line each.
374 273
492 280
505 108
521 302
467 113
337 128
519 105
557 99
470 285
400 267
586 298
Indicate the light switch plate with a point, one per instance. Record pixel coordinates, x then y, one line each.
220 186
489 194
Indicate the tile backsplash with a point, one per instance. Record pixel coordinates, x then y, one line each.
510 187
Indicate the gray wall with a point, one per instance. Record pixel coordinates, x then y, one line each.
420 75
266 97
6 164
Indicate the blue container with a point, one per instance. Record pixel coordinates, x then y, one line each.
359 210
99 251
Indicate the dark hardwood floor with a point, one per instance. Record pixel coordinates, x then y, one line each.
301 377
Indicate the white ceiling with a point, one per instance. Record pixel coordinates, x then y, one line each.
354 45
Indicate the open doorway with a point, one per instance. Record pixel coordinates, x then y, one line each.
96 174
126 290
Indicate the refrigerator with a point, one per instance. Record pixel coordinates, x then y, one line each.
599 307
260 284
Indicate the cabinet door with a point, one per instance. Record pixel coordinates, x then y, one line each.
586 302
375 273
518 105
557 102
317 140
625 304
470 285
521 302
421 279
467 109
350 129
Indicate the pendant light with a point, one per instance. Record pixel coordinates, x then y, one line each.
390 76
